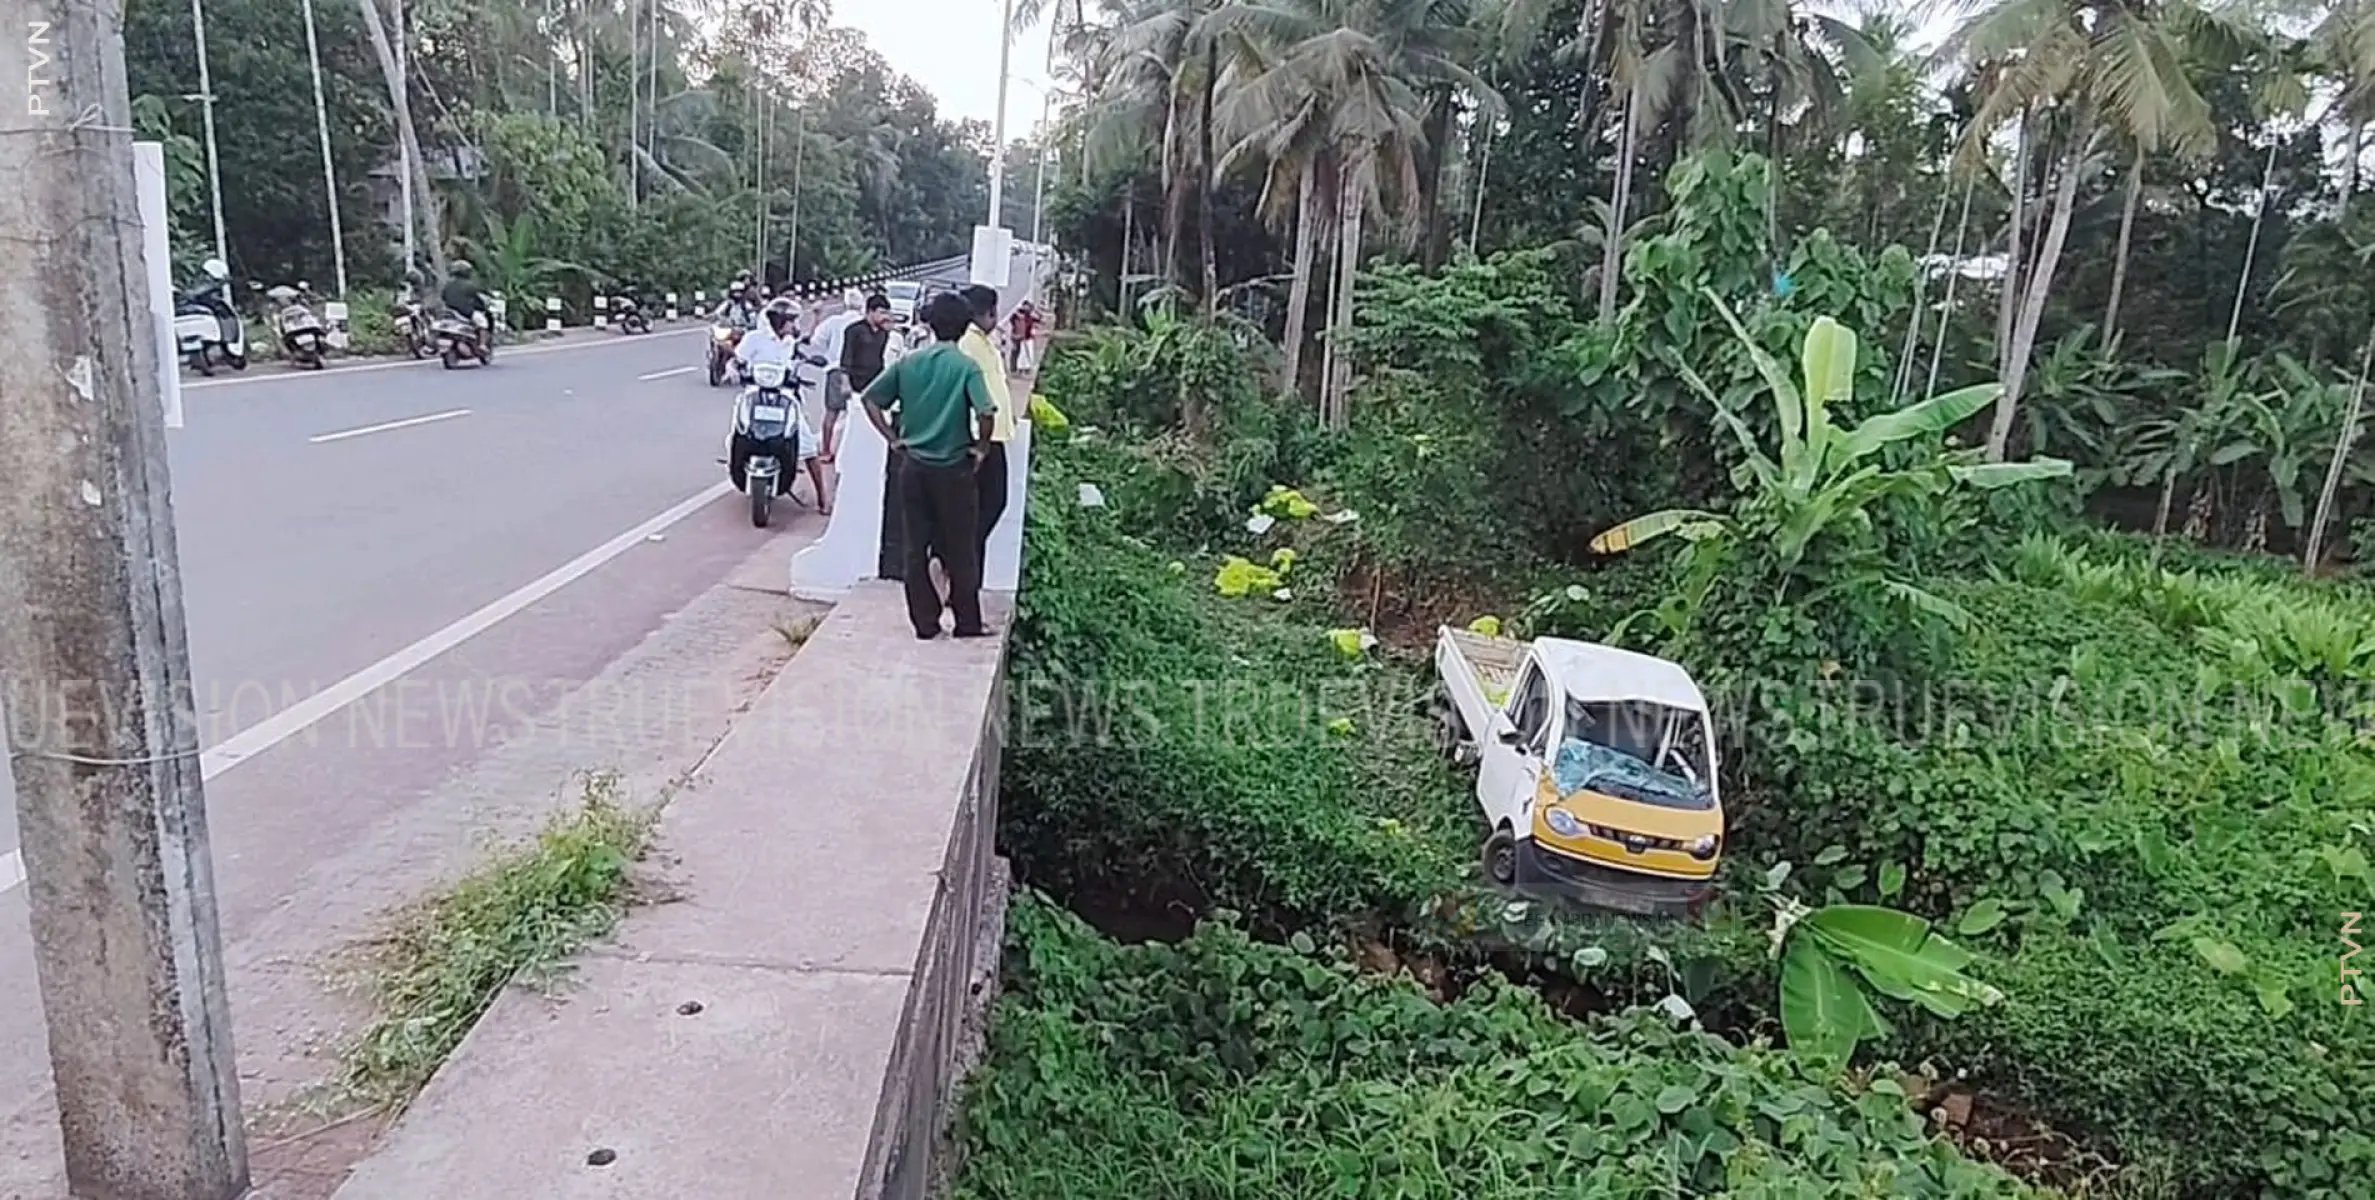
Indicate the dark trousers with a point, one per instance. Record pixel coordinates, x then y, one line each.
940 518
992 478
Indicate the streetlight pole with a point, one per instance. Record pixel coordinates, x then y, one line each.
321 119
998 135
214 168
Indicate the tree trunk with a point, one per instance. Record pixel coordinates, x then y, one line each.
1121 290
1298 296
1612 250
1484 166
2251 248
2008 303
2357 146
2127 228
2315 548
1903 378
1205 182
1962 225
2040 284
1432 241
399 97
1348 268
1174 197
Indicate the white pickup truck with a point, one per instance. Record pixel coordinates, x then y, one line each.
1596 769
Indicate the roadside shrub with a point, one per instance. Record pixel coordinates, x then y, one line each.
1225 1067
1167 740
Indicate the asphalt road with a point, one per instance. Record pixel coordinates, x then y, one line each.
531 520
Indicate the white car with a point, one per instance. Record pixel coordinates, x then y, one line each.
905 296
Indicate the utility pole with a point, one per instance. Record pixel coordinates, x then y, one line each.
214 168
791 254
404 144
321 120
998 132
102 740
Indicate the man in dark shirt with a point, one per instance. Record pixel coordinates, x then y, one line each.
862 347
463 297
934 408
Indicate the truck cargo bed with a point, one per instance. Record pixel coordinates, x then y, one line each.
1494 660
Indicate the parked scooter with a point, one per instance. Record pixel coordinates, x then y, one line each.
764 449
460 340
629 315
206 329
412 327
302 333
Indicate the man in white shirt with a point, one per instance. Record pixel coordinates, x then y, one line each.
777 340
828 343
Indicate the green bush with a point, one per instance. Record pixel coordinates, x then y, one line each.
1163 736
1224 1067
2156 837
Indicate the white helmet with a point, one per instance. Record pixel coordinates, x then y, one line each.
215 269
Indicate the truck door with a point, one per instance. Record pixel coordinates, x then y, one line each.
1509 761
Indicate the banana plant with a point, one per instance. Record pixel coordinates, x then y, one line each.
1822 480
1824 951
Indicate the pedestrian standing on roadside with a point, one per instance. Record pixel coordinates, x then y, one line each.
828 343
933 407
1023 326
865 351
982 302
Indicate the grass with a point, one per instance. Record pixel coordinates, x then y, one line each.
444 961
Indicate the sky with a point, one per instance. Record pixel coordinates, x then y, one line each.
951 48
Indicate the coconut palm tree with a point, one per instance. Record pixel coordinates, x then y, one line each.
2076 69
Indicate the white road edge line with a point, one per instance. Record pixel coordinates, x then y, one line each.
665 374
522 352
384 426
298 717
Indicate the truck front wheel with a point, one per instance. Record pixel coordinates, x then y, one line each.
1500 858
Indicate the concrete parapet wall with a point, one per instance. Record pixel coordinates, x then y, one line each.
793 1022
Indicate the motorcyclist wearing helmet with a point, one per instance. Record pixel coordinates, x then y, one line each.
462 295
740 308
778 341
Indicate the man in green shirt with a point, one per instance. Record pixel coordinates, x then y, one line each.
935 410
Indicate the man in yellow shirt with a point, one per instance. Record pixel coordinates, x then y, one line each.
991 473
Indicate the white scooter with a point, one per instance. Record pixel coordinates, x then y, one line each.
302 333
206 330
769 428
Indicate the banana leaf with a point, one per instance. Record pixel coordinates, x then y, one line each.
1823 1011
1689 523
1900 955
1934 415
1996 475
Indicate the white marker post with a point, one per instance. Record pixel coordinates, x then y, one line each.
671 306
552 314
156 252
601 311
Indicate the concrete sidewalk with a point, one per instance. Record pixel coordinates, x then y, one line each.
793 1024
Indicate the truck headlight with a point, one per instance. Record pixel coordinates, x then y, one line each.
1705 848
1563 823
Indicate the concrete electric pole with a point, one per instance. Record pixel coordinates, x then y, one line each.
101 731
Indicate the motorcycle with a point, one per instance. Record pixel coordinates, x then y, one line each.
459 339
724 338
765 446
302 333
629 315
206 329
412 327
